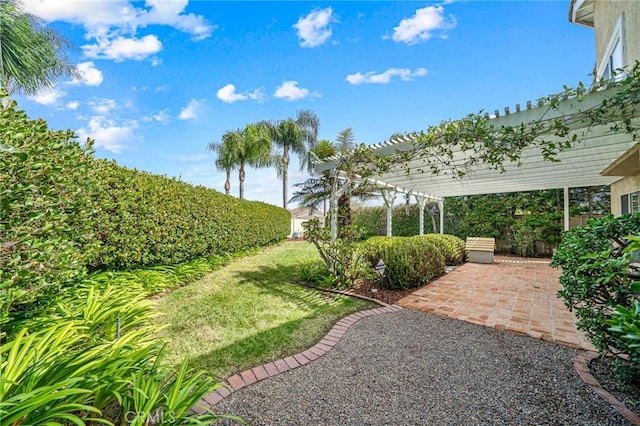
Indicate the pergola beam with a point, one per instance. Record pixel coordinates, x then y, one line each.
581 165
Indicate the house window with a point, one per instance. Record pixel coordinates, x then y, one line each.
613 58
630 203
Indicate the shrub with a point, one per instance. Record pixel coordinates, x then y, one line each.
452 247
45 212
410 262
145 219
341 256
625 324
595 275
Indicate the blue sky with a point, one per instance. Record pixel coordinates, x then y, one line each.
163 78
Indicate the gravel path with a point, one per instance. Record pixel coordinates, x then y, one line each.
411 368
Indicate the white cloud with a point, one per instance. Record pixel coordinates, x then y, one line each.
108 134
88 74
103 106
256 95
421 26
314 29
192 109
73 105
48 96
160 116
385 77
112 25
121 48
289 90
155 61
171 12
192 158
229 95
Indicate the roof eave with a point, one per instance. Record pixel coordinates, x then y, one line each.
581 12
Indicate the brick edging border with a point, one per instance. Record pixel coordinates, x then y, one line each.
271 369
581 365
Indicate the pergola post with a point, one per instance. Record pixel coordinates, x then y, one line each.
422 204
389 196
566 208
441 210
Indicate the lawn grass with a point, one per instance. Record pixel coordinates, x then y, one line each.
250 312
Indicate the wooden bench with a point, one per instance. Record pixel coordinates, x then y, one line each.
480 250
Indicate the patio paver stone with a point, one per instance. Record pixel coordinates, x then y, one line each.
519 296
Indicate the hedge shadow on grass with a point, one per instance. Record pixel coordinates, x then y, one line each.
266 280
258 348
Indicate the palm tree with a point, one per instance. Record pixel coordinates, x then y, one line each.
248 146
297 135
314 191
225 161
31 55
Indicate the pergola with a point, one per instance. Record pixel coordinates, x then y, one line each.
589 162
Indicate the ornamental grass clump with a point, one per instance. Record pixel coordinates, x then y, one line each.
89 358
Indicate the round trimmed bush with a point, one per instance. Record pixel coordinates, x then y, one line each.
453 248
409 262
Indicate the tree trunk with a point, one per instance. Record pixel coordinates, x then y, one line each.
344 211
241 179
285 176
227 183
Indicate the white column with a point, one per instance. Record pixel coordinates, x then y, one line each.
441 209
422 204
566 208
389 196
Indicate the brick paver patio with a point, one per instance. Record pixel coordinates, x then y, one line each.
510 294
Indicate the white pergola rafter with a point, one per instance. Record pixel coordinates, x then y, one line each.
597 147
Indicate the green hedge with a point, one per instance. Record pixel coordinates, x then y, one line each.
146 219
45 212
372 221
452 247
409 262
63 212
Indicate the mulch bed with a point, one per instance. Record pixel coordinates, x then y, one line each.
364 287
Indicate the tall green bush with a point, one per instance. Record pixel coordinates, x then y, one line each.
145 219
46 180
596 275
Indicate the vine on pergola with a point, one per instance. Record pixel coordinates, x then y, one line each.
454 147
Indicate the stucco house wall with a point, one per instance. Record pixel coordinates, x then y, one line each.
299 216
608 18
